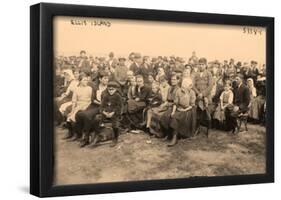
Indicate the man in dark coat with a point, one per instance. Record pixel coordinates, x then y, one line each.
136 63
241 103
83 63
145 69
110 109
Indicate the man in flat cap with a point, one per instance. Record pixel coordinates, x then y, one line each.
110 110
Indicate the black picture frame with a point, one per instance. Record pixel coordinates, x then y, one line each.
41 99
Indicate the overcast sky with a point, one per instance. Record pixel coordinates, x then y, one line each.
158 38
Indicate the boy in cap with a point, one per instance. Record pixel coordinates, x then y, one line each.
110 109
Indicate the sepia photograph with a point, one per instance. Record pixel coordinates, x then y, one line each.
148 100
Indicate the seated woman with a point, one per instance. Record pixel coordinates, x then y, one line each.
182 122
154 104
81 100
156 111
63 102
226 100
85 118
165 118
66 102
137 104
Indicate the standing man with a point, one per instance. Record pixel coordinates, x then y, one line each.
112 62
120 74
193 60
136 63
203 81
83 64
145 69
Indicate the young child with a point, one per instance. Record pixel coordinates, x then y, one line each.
110 109
226 99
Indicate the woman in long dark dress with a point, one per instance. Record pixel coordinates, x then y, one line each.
166 118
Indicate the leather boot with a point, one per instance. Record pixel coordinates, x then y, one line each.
70 131
115 137
85 141
95 139
174 140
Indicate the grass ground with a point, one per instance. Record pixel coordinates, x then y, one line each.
139 157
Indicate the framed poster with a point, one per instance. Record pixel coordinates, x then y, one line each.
130 99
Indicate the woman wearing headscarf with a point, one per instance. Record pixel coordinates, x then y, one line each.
253 106
66 96
63 102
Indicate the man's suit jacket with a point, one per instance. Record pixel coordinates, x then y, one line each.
242 97
203 84
134 67
112 64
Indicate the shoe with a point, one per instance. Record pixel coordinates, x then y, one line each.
84 143
114 143
142 124
174 141
95 140
68 136
76 138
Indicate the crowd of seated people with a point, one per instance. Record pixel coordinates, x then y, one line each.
166 97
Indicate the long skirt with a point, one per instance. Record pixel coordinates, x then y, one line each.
65 108
183 122
80 106
135 106
254 109
219 114
154 124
